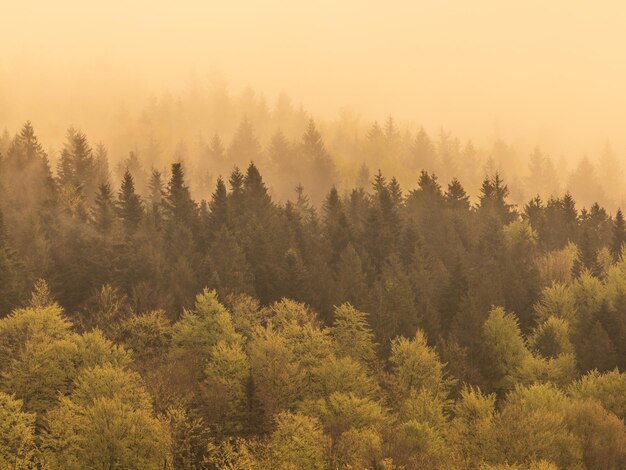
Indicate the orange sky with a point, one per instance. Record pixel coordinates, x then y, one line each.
548 72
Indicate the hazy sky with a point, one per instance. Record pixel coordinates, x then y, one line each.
552 71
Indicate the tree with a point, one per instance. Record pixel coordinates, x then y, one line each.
416 366
129 204
25 174
352 334
298 442
104 210
456 196
532 425
178 205
608 389
17 434
493 195
320 169
199 330
504 349
423 155
219 212
350 280
11 271
336 226
244 147
77 168
107 422
619 235
227 267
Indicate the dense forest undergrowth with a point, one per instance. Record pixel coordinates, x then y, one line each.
382 329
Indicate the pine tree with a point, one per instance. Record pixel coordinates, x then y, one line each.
236 189
11 272
423 155
216 156
383 222
320 169
281 158
129 205
336 226
244 147
218 207
493 195
456 197
77 167
101 165
619 235
586 259
452 295
104 209
350 281
177 202
255 196
25 175
156 193
226 265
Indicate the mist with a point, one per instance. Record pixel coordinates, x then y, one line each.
531 73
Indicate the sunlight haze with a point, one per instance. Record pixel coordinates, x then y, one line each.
548 73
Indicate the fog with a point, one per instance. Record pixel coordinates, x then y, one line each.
532 73
547 72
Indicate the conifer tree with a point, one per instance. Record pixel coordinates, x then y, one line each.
177 202
104 209
255 196
218 207
423 154
244 147
156 193
619 235
25 174
77 166
129 205
456 197
320 169
336 226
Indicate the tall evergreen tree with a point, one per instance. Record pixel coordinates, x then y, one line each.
456 197
320 169
104 209
177 202
218 207
619 235
336 226
129 205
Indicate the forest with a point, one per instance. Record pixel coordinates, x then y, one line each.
367 323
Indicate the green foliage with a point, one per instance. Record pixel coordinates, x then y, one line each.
532 425
504 348
608 388
17 429
200 329
276 364
416 366
352 334
298 443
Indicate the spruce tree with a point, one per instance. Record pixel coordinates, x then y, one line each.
456 197
336 226
218 207
245 146
619 235
156 192
178 205
129 205
104 209
319 168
